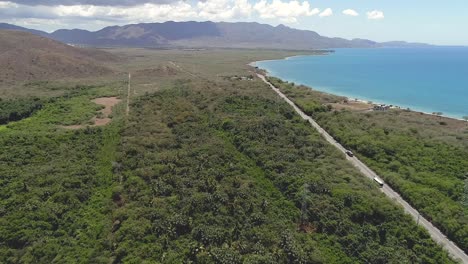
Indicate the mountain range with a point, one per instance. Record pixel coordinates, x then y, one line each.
206 34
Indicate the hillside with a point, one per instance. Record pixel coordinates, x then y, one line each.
27 57
14 27
255 35
211 34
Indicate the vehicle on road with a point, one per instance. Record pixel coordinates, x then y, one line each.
379 181
349 153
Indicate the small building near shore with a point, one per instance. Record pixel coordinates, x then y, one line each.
240 78
381 107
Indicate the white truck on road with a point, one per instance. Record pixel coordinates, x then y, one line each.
379 181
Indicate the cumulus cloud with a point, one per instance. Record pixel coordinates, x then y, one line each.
326 13
94 13
289 20
224 9
142 13
4 5
90 2
176 10
375 14
287 12
350 12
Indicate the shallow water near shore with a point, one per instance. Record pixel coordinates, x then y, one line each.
422 79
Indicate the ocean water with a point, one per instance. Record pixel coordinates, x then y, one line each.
422 79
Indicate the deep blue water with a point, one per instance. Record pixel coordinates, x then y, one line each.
424 79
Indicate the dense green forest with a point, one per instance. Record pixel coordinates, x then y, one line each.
428 166
17 109
232 175
55 184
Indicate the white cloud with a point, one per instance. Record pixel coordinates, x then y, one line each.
224 9
5 4
287 12
175 11
289 20
90 2
142 13
92 16
326 13
350 12
375 14
79 10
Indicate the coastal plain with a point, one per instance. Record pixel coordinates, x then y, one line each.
209 166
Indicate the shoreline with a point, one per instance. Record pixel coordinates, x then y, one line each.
323 53
352 98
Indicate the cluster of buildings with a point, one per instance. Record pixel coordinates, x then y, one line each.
381 107
240 78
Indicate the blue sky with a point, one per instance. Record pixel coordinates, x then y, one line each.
433 21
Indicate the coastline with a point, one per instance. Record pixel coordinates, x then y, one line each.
354 98
319 53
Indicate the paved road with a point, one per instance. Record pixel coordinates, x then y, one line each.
435 233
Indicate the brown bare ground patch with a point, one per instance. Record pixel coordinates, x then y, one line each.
72 127
307 228
108 103
352 106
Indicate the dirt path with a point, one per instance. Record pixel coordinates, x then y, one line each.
182 69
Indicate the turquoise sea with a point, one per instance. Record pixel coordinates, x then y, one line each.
422 79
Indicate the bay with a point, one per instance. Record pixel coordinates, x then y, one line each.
422 79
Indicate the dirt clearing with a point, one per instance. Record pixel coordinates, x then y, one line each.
352 106
102 118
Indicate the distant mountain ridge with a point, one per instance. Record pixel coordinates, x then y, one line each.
207 34
5 26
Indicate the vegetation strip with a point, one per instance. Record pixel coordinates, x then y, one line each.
222 172
435 233
55 184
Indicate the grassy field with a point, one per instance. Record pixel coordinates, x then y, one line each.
205 169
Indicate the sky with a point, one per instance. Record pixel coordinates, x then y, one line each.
431 21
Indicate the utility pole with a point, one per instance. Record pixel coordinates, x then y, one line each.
465 190
128 94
